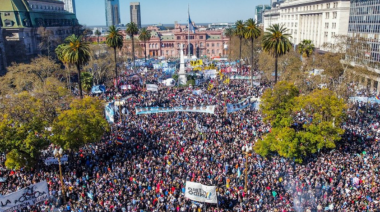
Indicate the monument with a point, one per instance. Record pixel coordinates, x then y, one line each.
182 79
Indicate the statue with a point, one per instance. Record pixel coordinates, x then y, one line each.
182 79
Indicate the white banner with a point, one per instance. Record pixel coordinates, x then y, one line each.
151 87
28 196
201 193
52 160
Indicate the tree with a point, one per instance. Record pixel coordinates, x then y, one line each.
277 103
98 33
60 56
240 32
229 32
252 32
22 130
322 112
144 36
306 48
132 30
87 81
115 41
76 52
83 123
276 42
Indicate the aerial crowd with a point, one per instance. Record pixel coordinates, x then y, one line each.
143 163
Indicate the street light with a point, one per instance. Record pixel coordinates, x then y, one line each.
246 150
58 154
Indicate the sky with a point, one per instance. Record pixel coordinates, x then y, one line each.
92 12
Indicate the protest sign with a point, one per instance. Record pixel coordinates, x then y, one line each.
196 109
151 87
27 196
52 160
201 193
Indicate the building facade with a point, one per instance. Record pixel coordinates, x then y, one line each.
166 43
364 28
259 13
69 6
135 12
316 20
112 12
2 55
21 19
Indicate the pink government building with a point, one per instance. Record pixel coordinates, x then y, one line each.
205 42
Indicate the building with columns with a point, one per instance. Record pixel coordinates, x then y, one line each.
316 20
166 43
21 19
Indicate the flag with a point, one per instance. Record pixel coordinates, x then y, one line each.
191 26
239 172
377 97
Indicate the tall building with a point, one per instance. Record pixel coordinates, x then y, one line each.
21 20
259 13
69 5
135 13
319 20
2 55
364 28
112 12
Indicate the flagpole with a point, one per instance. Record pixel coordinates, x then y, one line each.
188 33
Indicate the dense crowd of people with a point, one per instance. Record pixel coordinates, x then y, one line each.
144 162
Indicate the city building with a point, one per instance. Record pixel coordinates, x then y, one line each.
21 20
112 12
210 43
135 11
69 5
319 20
259 13
364 27
2 55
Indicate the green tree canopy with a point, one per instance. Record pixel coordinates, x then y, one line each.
322 111
132 30
83 123
306 48
240 33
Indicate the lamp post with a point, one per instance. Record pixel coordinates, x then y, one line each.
246 150
58 154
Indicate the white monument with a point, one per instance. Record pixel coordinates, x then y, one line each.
182 79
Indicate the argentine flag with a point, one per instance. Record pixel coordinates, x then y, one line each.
191 26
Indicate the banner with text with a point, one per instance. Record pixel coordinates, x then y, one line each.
109 112
52 160
201 193
239 106
151 87
27 196
195 109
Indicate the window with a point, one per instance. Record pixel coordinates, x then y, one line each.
295 31
201 37
201 44
178 37
335 5
332 34
327 15
213 52
326 34
7 14
333 26
335 15
207 45
326 25
212 44
328 5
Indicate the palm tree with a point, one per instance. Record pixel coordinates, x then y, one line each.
76 52
276 42
60 56
145 36
252 32
306 48
132 30
229 32
240 32
115 41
